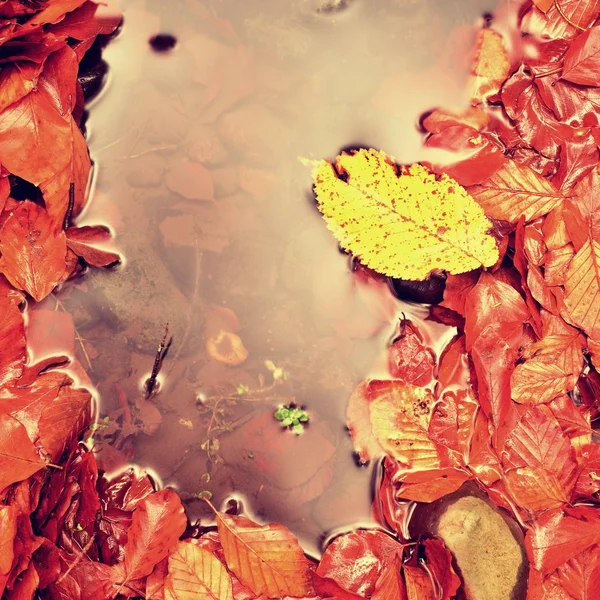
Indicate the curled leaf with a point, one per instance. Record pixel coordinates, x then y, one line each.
402 221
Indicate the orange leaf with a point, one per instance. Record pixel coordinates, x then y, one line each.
418 584
400 416
582 289
33 253
391 585
544 459
428 486
580 576
553 369
196 574
157 523
18 458
516 190
358 418
266 558
544 5
491 67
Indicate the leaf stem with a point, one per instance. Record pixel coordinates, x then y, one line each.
562 14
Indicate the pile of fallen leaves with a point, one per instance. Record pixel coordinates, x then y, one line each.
513 401
510 220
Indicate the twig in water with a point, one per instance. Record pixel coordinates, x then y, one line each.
161 353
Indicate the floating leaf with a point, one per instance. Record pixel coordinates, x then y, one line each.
514 191
400 416
491 66
580 576
402 221
582 288
419 585
266 558
582 60
196 574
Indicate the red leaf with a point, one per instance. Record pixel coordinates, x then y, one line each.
408 358
418 584
439 563
356 560
580 576
563 19
8 530
431 485
158 522
582 60
35 140
12 336
391 584
18 458
33 253
16 81
64 420
559 535
87 242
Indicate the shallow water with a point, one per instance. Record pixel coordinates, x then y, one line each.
198 175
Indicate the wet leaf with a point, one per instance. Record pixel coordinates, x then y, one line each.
559 535
545 461
196 574
552 369
418 584
515 191
391 584
491 66
400 416
582 60
266 558
87 243
439 221
12 337
439 563
157 523
357 560
580 576
582 288
408 358
38 265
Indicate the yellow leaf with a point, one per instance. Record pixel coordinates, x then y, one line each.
582 289
400 416
402 221
196 574
266 558
491 67
514 191
553 369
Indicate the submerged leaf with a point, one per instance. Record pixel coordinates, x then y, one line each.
400 416
402 221
491 65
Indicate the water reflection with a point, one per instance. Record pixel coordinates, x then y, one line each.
198 177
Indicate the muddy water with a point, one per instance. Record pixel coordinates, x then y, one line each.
198 175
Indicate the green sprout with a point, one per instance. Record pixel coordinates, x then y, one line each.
292 418
242 389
